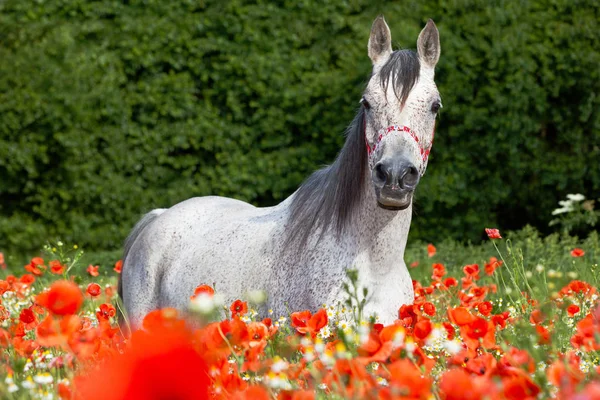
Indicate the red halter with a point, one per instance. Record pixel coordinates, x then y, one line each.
397 128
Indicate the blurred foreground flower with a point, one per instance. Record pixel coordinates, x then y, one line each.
159 364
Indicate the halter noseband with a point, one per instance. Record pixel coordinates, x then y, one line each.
382 133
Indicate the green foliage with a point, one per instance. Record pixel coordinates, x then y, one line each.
112 108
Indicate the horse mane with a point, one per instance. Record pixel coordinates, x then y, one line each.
330 197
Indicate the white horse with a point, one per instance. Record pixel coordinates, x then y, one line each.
355 213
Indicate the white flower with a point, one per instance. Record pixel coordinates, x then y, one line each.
561 211
576 197
43 379
325 332
398 339
363 332
308 355
28 383
279 365
203 303
257 296
453 346
539 268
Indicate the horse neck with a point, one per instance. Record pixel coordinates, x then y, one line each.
381 234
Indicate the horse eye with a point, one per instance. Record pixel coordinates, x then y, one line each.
435 107
365 103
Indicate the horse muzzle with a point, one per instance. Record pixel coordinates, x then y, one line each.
395 181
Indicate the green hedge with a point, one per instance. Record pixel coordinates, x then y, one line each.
111 108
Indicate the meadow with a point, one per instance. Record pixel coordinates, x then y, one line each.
514 317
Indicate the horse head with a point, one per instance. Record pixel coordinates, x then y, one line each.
400 104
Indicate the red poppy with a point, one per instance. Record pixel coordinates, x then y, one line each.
491 266
431 250
56 267
238 308
406 378
457 384
577 252
159 364
543 333
450 282
438 272
572 310
460 316
63 298
429 308
106 311
493 233
118 266
203 289
28 318
305 322
422 329
93 270
36 266
374 349
485 308
414 264
94 289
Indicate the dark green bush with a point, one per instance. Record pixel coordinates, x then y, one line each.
111 108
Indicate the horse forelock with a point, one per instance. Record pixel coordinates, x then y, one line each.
402 69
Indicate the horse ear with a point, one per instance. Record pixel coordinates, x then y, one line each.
380 41
428 44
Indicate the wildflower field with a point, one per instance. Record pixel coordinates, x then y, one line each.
515 318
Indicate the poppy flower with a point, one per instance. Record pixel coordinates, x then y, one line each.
238 308
457 384
493 233
305 322
429 308
572 310
157 365
36 266
56 267
28 318
450 282
106 311
431 250
374 349
438 272
206 289
492 265
485 308
94 289
406 378
118 266
26 279
577 252
423 329
63 298
93 270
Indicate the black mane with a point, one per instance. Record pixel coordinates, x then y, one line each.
329 198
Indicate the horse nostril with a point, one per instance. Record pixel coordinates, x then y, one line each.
410 177
380 172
